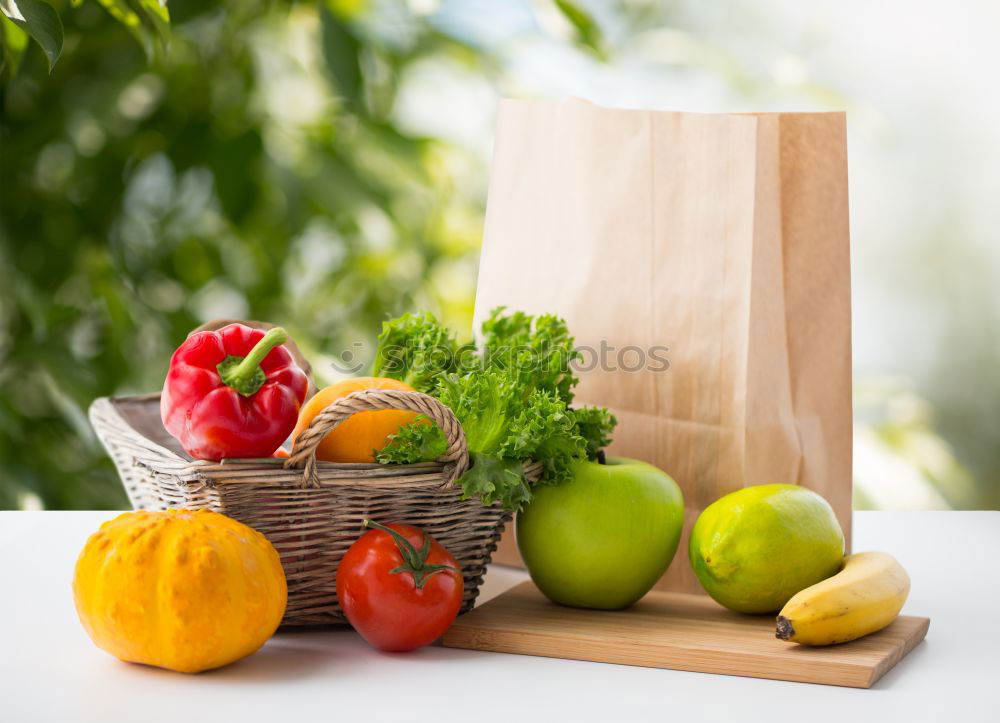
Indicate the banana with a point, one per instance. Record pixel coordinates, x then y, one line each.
865 596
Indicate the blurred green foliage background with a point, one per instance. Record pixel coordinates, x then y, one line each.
318 165
252 171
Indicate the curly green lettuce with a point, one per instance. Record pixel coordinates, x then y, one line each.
595 425
540 349
503 428
418 441
417 349
512 400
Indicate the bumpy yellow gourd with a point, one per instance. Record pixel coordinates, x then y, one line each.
179 589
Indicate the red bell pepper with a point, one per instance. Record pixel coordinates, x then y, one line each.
234 392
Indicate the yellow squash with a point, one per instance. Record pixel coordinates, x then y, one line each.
179 589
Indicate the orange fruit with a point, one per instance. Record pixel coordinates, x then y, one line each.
357 438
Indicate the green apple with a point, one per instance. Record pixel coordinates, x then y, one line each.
603 538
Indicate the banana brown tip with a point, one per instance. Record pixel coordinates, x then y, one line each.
784 629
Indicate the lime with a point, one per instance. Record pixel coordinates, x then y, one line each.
755 548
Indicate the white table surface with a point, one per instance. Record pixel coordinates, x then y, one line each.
50 671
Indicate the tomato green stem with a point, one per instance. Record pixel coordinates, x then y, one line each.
414 561
245 375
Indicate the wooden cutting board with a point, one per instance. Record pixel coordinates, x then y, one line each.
677 631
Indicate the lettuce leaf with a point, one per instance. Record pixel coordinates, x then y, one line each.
503 428
512 400
539 349
595 425
417 441
492 479
418 349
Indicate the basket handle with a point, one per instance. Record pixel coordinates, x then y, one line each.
370 400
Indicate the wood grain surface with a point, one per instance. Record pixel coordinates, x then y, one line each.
678 631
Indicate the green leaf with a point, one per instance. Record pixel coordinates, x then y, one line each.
40 21
587 30
512 400
121 12
13 41
147 20
341 51
154 16
503 428
595 425
496 480
417 349
538 350
417 441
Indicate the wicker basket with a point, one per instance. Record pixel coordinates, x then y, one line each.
311 511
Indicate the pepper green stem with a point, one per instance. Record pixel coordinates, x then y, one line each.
414 561
245 375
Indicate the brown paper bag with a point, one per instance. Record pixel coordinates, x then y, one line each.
721 238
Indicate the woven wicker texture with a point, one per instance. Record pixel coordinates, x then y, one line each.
311 511
304 454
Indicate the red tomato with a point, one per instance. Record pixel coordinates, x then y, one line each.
398 587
